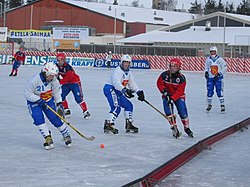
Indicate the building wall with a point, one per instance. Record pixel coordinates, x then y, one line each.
135 28
48 10
151 27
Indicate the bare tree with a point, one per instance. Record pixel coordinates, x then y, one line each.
135 3
168 4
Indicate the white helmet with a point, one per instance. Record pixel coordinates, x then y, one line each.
213 49
49 68
126 58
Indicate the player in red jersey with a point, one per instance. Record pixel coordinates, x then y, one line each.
171 84
70 81
19 59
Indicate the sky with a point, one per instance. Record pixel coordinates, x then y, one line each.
185 4
126 157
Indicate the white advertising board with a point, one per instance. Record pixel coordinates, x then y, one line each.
3 34
70 33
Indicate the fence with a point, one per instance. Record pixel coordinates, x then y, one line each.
235 65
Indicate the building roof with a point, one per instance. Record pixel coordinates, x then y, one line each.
241 20
134 14
234 35
195 34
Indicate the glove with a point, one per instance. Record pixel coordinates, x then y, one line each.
165 93
141 96
41 103
217 75
127 92
169 100
206 75
60 109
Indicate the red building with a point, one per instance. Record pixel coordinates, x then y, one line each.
42 13
101 17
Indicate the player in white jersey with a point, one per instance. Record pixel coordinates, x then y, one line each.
118 90
215 69
109 59
44 90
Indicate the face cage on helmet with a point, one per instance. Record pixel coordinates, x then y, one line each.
122 66
174 67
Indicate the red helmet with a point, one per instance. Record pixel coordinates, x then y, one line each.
174 65
61 56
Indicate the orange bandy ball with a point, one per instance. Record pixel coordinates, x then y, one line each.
102 145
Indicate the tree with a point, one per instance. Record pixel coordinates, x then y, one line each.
30 1
15 3
135 3
243 8
196 8
168 4
210 7
220 7
230 8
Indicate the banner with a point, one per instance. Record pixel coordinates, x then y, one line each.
44 34
3 34
67 44
5 59
74 61
85 62
70 33
136 64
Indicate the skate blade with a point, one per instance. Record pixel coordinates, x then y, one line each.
67 116
131 131
177 135
87 118
68 145
110 132
48 147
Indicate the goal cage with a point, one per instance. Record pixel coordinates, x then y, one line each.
6 52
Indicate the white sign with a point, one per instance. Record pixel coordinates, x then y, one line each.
3 34
70 33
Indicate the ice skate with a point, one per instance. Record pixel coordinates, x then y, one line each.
10 74
48 144
15 74
109 127
67 140
67 113
189 132
175 131
130 128
222 108
209 107
86 115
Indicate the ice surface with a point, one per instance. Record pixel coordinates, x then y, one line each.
25 163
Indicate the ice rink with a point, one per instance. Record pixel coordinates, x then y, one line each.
126 157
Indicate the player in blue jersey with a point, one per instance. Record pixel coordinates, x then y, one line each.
44 90
215 69
118 90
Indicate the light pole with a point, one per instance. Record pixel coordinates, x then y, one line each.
115 32
3 8
224 33
115 3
